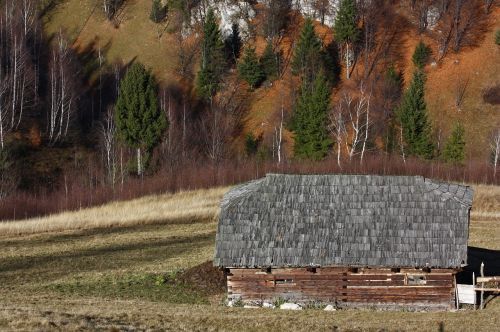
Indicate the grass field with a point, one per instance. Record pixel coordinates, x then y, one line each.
120 267
135 38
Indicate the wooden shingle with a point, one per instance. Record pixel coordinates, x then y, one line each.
330 220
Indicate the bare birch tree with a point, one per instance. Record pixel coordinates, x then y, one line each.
62 91
108 137
495 150
3 127
17 76
338 128
358 119
278 135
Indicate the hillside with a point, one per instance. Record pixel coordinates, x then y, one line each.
148 272
477 67
72 109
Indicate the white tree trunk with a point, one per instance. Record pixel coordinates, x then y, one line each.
367 127
61 92
279 138
338 129
495 149
348 62
139 165
402 144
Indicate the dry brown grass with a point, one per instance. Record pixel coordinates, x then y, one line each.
135 34
197 204
486 198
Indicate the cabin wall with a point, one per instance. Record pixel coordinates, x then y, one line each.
342 286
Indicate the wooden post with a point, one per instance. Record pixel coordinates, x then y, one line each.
474 285
482 286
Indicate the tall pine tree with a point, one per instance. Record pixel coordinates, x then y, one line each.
270 62
232 44
346 29
412 115
139 121
250 69
212 58
421 55
306 59
454 150
310 119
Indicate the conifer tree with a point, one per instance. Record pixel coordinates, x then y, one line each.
306 59
139 120
212 58
251 144
421 55
454 150
412 115
270 62
250 69
310 119
330 62
232 44
158 11
346 29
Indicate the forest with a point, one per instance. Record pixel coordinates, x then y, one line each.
208 92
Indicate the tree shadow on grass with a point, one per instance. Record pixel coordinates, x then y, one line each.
82 234
116 256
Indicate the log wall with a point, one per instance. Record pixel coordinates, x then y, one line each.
344 287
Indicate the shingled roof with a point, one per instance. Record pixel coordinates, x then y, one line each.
337 220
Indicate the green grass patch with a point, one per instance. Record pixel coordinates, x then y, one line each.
149 286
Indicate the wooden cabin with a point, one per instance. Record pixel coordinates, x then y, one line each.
348 240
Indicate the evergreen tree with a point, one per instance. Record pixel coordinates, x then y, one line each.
232 44
250 69
307 53
391 93
310 119
346 28
251 144
497 37
212 58
421 55
270 61
139 121
393 78
158 11
330 60
412 115
454 150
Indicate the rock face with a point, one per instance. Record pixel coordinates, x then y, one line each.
241 12
229 13
290 306
307 9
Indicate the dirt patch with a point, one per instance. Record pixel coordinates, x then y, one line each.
205 277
